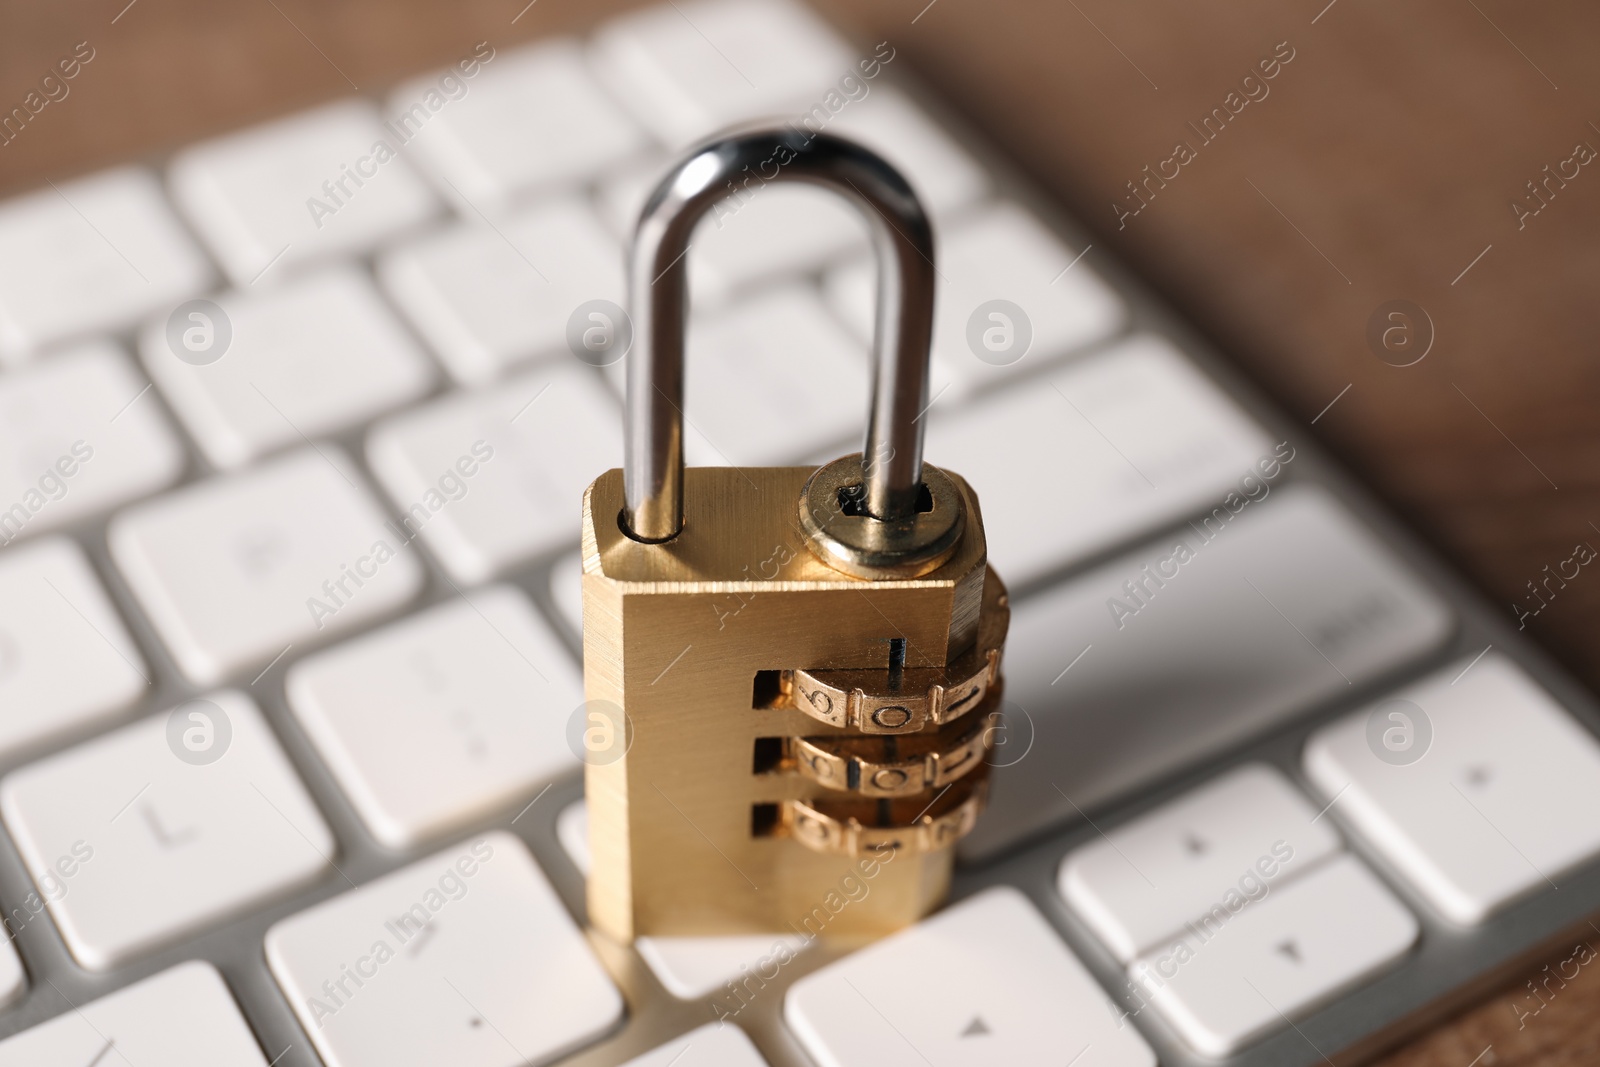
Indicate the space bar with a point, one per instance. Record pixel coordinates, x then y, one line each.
1165 656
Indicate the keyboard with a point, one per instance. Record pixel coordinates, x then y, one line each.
293 434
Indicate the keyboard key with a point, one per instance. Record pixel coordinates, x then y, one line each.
188 817
693 68
777 231
1021 998
566 128
690 967
770 383
1281 956
1499 802
713 1045
235 570
489 297
467 957
1194 860
1101 451
1001 253
566 590
572 830
495 477
717 966
307 358
182 1017
443 718
1207 660
65 658
944 175
319 183
92 255
78 436
772 380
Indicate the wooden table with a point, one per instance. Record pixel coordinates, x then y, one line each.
1382 164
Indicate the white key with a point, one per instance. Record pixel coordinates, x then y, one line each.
489 297
1194 860
1021 997
1096 722
181 1017
1002 253
1499 802
572 830
565 127
442 718
775 230
93 255
306 358
78 436
1282 956
236 569
1100 451
732 969
566 590
691 69
944 175
467 957
319 183
713 1045
65 658
693 967
534 443
167 842
767 381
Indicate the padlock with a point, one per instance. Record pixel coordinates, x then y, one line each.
793 673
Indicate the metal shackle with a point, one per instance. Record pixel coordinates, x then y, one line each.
891 467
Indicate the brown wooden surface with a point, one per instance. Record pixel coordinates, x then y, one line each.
1384 159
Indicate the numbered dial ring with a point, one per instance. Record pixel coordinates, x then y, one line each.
914 698
896 766
853 827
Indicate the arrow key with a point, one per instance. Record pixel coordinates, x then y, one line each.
1225 984
1022 997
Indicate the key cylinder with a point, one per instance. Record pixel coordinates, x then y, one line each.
802 666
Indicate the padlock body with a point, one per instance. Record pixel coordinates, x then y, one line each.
691 638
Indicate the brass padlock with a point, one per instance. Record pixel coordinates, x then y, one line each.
803 665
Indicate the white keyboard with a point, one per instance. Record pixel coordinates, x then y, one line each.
292 444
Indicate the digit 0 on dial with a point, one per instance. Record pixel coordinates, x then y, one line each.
807 661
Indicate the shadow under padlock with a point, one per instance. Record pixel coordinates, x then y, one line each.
806 661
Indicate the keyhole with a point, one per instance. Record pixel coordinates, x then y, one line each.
852 501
